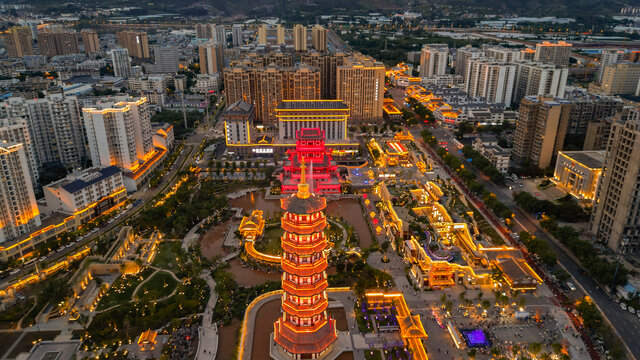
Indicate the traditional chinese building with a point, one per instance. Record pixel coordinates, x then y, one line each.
305 330
323 173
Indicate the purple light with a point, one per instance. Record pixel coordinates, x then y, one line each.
475 338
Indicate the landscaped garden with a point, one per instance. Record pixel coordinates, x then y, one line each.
158 286
122 289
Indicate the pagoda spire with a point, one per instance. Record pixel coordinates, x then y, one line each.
303 187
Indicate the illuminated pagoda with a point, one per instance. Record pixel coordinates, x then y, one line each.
310 147
305 330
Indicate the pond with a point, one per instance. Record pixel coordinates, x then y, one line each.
228 335
211 242
247 277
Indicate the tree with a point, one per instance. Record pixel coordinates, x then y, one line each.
535 347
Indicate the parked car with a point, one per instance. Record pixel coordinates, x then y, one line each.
571 286
631 310
623 306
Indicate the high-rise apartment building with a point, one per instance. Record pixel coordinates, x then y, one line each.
541 129
433 59
553 53
319 38
119 134
527 54
491 79
328 65
266 87
18 41
15 130
167 59
90 41
54 126
18 208
220 35
463 55
211 58
58 43
280 39
534 78
609 57
587 108
236 35
503 54
360 84
121 63
262 35
204 31
615 219
620 78
300 37
136 42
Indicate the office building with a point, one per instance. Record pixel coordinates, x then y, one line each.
121 63
587 108
119 134
19 41
319 38
236 35
238 121
541 128
15 130
463 55
578 172
300 37
615 219
90 41
18 209
87 193
58 43
553 53
490 79
433 59
609 57
167 59
328 65
360 84
266 87
620 78
280 39
330 116
55 127
537 79
262 35
136 42
211 58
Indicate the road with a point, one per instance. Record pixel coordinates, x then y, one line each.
626 324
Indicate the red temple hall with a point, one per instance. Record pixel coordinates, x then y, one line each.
305 330
322 175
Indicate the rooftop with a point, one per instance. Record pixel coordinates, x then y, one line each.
239 107
590 159
76 182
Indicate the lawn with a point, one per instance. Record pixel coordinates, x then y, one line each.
171 257
158 286
10 317
269 243
122 289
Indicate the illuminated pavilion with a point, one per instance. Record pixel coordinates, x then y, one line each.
311 149
305 330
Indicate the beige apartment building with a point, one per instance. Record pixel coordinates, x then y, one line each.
490 79
58 43
615 219
211 58
300 37
553 53
620 79
360 84
319 38
328 65
541 128
433 59
136 42
90 41
262 35
537 79
18 41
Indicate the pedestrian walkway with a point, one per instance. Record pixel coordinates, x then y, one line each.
208 332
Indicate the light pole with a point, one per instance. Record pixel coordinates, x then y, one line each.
623 243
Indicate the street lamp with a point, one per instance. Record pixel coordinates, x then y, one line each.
623 242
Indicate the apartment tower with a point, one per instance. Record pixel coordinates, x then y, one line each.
433 59
136 42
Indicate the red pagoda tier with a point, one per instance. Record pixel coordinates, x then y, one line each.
305 330
323 173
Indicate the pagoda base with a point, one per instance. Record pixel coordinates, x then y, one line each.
340 345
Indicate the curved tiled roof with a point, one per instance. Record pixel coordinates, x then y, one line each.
297 205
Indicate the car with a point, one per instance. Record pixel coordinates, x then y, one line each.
14 271
571 286
68 245
631 310
60 249
42 258
623 306
80 238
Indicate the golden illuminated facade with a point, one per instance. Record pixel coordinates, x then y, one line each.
578 172
266 87
119 134
305 330
330 116
360 84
